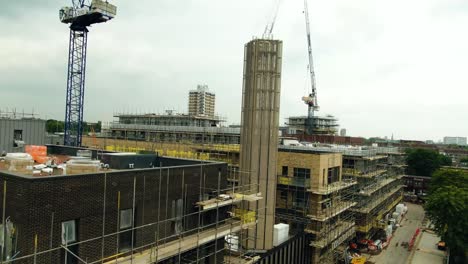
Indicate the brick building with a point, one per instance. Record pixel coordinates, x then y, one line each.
416 184
112 214
314 198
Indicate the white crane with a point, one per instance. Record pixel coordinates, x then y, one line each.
269 27
311 99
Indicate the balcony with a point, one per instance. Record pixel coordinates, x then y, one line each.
336 186
375 202
369 190
338 230
358 173
294 181
333 210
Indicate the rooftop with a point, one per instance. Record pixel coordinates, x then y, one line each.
168 114
61 161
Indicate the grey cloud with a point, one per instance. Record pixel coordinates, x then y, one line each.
373 60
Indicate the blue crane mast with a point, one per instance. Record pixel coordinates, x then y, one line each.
80 16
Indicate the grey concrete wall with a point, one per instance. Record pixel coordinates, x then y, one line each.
259 134
34 133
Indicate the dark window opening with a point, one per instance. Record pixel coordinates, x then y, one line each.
284 171
302 173
18 134
284 195
333 175
299 201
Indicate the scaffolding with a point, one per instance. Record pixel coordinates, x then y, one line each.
15 114
319 209
205 241
379 187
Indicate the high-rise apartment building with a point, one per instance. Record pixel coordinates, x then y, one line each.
201 102
259 133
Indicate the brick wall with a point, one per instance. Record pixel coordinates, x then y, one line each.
34 205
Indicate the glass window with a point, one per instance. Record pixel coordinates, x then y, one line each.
125 218
68 232
301 173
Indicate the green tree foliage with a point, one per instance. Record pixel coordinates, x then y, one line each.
53 126
424 162
447 207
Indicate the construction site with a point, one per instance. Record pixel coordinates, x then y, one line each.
184 187
139 208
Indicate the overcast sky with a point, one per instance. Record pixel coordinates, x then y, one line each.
382 66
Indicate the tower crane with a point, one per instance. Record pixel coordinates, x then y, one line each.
269 27
80 16
311 99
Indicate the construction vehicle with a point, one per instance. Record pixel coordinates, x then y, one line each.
80 16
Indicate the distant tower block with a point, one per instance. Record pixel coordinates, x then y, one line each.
259 134
201 102
343 132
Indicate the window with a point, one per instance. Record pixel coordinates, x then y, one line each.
177 215
125 219
68 232
302 173
333 175
284 195
125 236
284 171
299 200
18 134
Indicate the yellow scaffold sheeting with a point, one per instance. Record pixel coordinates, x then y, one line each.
245 216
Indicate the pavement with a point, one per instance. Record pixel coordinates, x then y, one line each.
398 254
426 251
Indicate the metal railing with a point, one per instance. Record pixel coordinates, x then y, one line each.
294 181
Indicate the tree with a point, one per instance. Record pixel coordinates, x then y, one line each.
447 207
424 162
449 177
53 126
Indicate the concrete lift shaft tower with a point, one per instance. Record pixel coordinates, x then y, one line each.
80 16
311 100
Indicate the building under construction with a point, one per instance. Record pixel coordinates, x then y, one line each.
125 208
18 129
322 125
315 198
171 127
380 187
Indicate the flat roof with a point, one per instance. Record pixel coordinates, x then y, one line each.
317 117
154 115
304 149
61 155
110 171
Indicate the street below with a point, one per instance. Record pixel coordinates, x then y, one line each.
395 253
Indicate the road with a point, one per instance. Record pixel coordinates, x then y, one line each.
398 254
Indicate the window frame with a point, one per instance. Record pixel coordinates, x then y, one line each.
122 216
65 239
